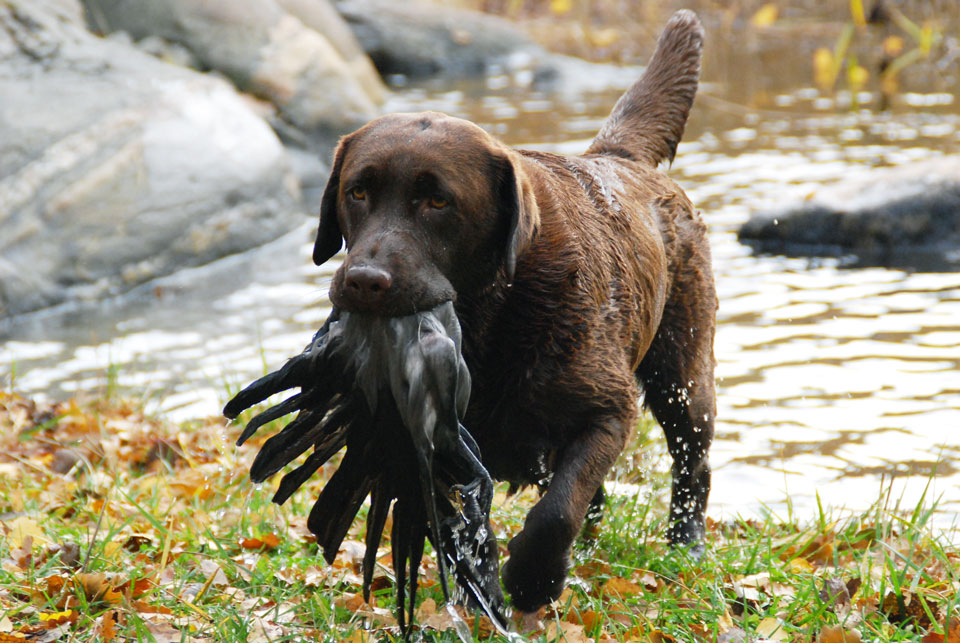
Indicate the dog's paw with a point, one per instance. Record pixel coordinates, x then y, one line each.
688 534
532 577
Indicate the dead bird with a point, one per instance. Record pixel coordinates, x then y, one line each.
391 390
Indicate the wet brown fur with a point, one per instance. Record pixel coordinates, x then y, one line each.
577 281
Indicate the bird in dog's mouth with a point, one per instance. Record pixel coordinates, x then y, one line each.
391 390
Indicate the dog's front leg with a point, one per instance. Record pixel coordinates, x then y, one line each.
540 554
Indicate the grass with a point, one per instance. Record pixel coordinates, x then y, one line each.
119 526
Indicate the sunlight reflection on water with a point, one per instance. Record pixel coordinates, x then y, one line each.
829 379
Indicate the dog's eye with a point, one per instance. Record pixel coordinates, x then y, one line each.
437 202
358 193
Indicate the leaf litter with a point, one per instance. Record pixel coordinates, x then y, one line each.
119 526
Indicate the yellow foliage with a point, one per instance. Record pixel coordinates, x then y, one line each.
893 45
857 76
21 528
857 13
824 72
561 7
765 15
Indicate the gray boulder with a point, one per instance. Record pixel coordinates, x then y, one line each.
266 50
116 168
890 216
426 40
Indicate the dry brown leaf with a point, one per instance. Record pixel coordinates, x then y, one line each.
146 608
359 636
733 635
351 602
592 569
649 580
97 587
657 636
22 528
529 622
951 629
561 631
772 629
107 630
588 618
908 607
618 586
163 631
430 618
838 634
799 566
725 622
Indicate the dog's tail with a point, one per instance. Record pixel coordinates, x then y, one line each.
647 122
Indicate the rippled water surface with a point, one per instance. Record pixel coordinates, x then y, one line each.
831 378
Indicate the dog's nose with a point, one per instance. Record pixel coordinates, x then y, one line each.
367 283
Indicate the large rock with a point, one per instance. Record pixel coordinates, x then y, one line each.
116 168
425 40
265 49
890 216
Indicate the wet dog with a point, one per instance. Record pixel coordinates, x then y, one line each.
578 281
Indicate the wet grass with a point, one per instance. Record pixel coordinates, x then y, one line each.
119 526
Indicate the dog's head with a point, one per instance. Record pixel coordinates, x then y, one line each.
429 206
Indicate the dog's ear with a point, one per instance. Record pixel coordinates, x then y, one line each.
329 237
520 210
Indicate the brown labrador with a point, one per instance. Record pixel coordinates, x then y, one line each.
577 281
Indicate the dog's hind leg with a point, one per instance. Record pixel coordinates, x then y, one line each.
677 376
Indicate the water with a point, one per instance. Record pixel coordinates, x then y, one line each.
830 378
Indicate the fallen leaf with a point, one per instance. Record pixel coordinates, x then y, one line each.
953 629
97 587
617 586
592 569
733 635
657 636
589 619
214 573
53 619
164 632
951 635
799 566
838 634
359 636
271 541
107 631
351 602
22 528
146 608
561 631
907 607
772 629
834 593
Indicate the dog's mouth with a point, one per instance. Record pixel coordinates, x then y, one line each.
387 309
389 296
